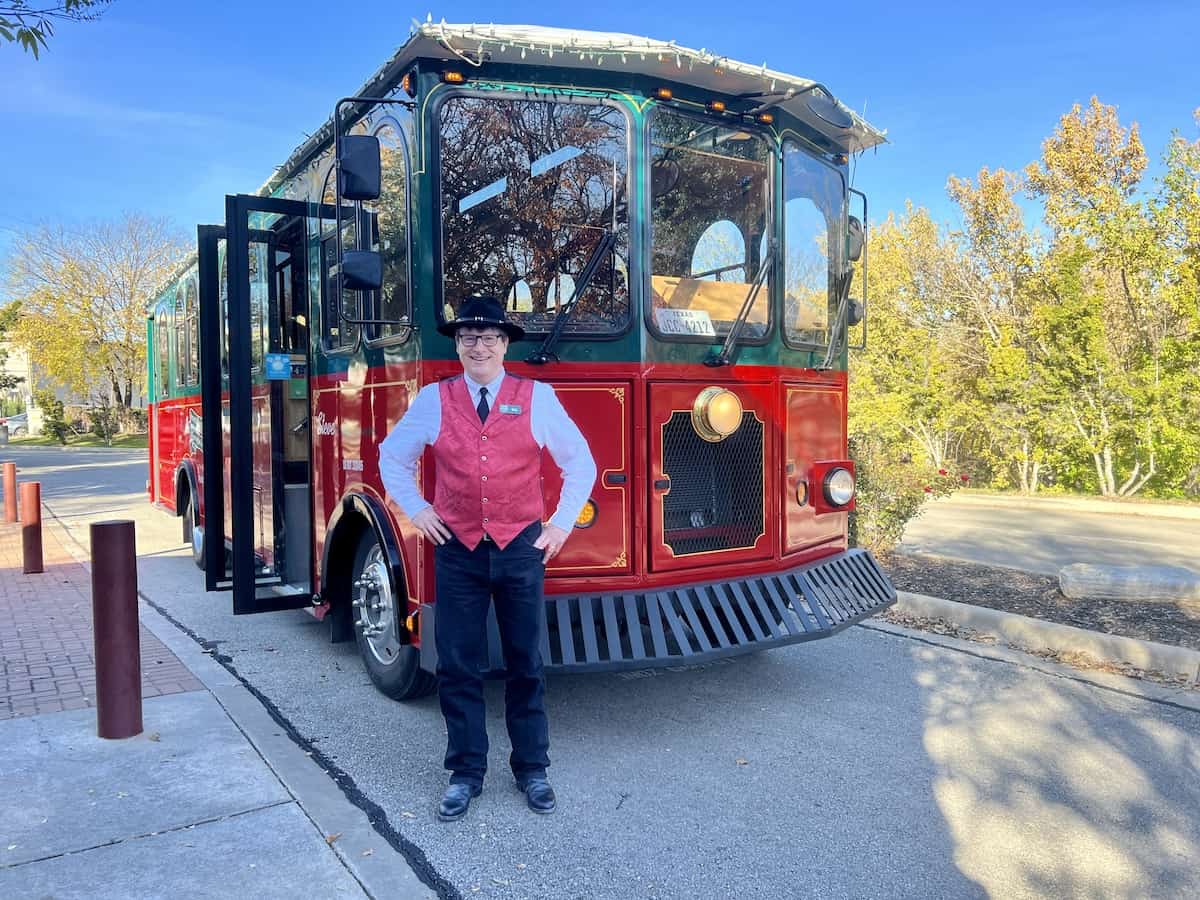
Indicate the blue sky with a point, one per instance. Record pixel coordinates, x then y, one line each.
164 107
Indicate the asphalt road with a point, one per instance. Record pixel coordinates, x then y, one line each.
873 764
1045 537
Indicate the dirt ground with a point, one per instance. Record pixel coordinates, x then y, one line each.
1038 596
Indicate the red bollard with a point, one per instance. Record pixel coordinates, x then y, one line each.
10 492
115 624
31 526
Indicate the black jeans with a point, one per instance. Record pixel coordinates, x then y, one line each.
467 581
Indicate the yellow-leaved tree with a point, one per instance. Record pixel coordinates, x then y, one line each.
83 293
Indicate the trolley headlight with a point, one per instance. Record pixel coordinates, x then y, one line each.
716 414
587 517
839 486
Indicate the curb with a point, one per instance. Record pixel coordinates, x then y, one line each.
1085 504
1036 634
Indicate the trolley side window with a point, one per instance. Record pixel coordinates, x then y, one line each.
336 305
528 189
814 207
390 235
710 202
180 323
162 352
192 302
187 336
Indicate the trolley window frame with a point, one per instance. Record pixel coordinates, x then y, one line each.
774 232
544 94
786 138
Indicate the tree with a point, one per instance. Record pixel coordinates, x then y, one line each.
998 306
10 313
105 420
84 292
908 385
30 26
53 418
1117 358
1066 356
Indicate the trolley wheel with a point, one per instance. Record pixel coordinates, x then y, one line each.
394 667
191 531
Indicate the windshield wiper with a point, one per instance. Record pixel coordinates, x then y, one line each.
545 353
839 329
728 349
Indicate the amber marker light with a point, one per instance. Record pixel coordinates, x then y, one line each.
716 414
663 93
454 78
765 118
715 106
587 517
409 84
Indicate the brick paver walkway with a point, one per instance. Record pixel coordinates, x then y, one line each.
46 644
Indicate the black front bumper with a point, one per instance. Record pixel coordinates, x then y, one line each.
699 622
706 621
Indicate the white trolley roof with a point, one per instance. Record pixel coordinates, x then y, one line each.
570 48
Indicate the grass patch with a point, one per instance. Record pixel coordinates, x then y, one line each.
120 442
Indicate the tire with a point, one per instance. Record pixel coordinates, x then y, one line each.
188 514
394 667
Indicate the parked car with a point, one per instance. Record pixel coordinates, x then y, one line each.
18 425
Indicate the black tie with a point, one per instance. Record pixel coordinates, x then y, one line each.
482 408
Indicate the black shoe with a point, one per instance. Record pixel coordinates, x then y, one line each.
538 795
456 801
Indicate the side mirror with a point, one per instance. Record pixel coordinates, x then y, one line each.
360 172
854 313
855 239
362 270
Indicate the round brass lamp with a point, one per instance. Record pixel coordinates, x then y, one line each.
716 414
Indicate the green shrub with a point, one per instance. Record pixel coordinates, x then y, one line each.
105 421
891 490
54 422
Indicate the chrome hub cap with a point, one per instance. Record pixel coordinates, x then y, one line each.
375 608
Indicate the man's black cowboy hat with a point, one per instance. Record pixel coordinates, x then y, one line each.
480 312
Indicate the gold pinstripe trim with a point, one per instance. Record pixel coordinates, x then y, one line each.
618 393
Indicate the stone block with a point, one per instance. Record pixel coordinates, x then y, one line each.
1105 582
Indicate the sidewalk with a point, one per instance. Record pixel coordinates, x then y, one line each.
211 799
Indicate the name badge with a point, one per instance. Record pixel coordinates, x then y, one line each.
510 409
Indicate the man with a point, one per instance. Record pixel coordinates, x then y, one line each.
487 430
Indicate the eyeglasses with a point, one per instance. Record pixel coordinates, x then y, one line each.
470 340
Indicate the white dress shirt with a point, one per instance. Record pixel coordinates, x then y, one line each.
551 426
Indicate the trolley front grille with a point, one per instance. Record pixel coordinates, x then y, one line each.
716 496
706 621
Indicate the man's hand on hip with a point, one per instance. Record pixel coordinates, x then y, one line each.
431 525
550 540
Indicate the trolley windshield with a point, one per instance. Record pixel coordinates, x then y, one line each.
528 189
710 187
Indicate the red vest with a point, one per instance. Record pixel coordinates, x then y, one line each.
489 476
